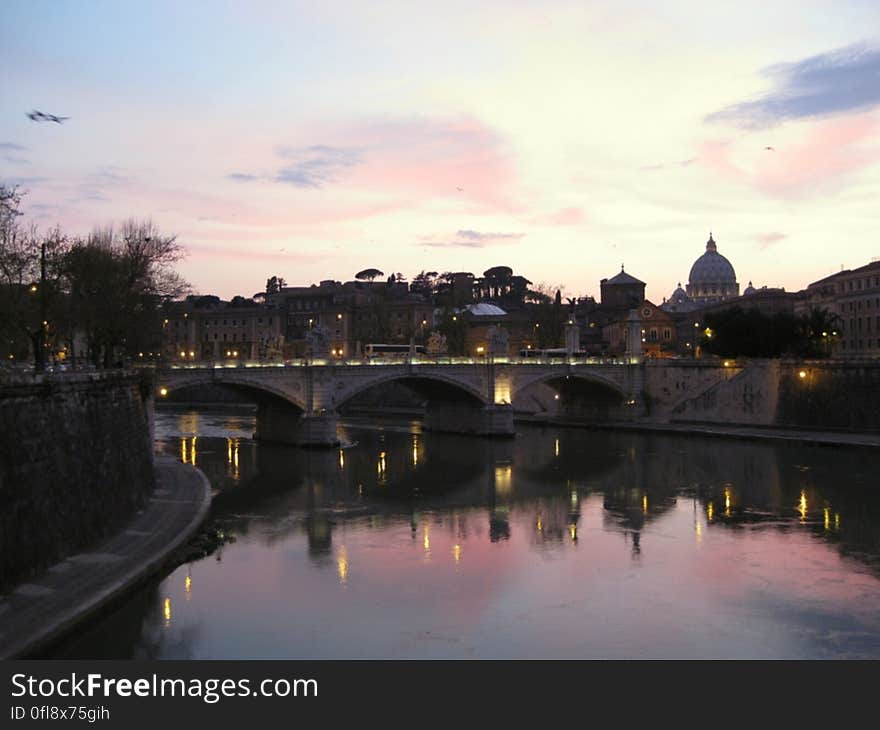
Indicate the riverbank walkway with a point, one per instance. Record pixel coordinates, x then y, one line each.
803 436
38 612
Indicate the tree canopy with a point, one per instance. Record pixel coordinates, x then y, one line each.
368 274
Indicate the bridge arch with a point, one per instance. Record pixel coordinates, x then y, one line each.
449 386
262 391
520 384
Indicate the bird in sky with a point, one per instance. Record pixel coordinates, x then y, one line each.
460 189
770 148
38 116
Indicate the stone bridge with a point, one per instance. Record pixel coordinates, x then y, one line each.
299 403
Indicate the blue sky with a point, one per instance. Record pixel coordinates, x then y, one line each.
313 140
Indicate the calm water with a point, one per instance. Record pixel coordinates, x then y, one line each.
561 543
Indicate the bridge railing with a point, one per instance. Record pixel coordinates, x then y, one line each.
405 360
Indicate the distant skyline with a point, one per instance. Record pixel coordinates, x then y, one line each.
558 138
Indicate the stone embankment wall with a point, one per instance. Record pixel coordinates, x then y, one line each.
801 394
830 395
75 464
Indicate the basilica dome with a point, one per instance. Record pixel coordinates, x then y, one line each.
712 277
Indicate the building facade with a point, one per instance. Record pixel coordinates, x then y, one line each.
853 297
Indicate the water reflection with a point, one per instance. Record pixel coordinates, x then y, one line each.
560 543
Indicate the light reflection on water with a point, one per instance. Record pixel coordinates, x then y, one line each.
559 543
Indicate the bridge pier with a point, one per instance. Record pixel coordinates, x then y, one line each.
288 426
490 420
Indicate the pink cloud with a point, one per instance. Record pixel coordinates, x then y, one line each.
830 150
563 217
458 159
766 240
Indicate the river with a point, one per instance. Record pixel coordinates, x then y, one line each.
559 543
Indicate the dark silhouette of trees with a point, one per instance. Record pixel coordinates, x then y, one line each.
369 274
275 284
751 333
30 272
424 283
117 282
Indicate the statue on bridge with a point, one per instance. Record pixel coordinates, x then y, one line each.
498 338
436 344
317 342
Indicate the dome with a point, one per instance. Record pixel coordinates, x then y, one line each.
679 295
484 309
712 267
749 290
679 301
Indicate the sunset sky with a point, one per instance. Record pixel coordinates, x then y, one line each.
312 140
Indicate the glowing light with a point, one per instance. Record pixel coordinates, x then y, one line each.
802 374
426 541
727 363
556 396
456 553
415 451
802 505
710 511
339 316
827 518
188 585
540 525
166 611
341 459
645 504
183 450
381 468
726 502
34 288
163 392
481 350
192 451
836 520
502 392
503 479
182 353
573 532
556 447
232 456
342 565
699 530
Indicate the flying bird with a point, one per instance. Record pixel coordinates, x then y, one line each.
770 148
460 189
37 116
